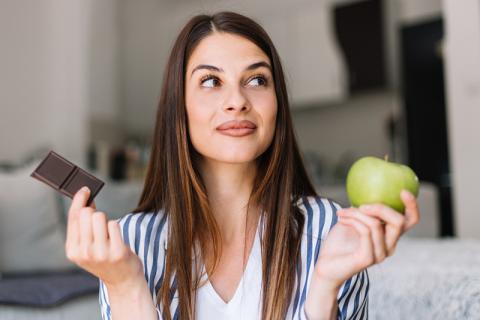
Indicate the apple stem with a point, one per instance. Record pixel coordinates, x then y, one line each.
386 157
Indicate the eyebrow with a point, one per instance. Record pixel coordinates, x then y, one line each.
253 66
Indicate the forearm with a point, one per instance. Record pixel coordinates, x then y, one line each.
321 302
131 301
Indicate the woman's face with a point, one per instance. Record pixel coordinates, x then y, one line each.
229 80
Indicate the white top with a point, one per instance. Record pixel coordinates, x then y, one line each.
146 234
245 303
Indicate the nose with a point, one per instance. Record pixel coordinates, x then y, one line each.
236 101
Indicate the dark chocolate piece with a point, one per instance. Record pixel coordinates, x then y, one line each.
66 177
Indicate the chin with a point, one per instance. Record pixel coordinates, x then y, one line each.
236 158
240 152
232 157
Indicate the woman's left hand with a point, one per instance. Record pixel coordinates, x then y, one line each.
362 237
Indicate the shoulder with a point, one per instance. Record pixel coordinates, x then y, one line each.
142 229
320 215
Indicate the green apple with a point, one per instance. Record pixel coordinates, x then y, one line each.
374 180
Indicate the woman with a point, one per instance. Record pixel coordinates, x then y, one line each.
228 225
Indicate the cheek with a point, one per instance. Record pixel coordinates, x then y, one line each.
266 105
198 122
200 108
200 126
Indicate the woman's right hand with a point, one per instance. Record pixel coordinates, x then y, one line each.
96 245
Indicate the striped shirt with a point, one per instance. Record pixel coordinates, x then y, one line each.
146 234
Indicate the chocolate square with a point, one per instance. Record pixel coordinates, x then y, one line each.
66 177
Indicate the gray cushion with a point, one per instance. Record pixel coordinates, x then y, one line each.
32 234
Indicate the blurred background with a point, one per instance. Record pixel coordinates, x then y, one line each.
365 77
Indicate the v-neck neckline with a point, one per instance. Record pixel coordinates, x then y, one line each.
253 257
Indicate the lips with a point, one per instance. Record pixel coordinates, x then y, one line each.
235 124
237 128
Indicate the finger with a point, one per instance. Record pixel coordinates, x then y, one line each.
80 199
73 236
86 233
394 223
365 255
73 228
99 227
100 236
384 213
412 214
377 231
114 233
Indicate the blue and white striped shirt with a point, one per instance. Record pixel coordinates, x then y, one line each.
146 234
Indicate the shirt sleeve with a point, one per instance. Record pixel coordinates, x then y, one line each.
105 310
141 232
353 294
104 302
353 297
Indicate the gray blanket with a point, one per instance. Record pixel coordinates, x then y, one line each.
427 279
46 289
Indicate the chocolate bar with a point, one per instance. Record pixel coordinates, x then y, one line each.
66 177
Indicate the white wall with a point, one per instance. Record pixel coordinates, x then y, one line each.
103 54
43 77
462 52
356 126
59 68
24 80
105 73
146 40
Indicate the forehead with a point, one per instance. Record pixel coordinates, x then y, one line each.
225 49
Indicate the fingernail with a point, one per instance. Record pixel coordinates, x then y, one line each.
85 189
407 194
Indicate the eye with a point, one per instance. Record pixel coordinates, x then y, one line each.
258 80
209 81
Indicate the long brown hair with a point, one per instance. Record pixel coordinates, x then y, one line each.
173 182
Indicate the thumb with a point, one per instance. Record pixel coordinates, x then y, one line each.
80 199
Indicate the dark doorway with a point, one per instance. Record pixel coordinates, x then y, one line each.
425 109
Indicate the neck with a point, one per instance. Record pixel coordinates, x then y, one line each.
229 186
